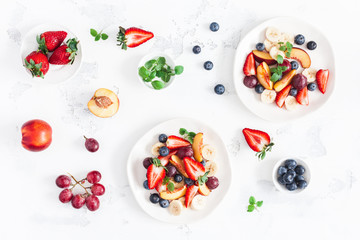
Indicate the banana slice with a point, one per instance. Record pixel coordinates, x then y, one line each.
155 148
274 52
212 167
208 152
273 34
198 202
291 103
175 207
310 74
268 96
287 37
268 45
182 200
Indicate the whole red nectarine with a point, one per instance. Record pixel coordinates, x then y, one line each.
36 135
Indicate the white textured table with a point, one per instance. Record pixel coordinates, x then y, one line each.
329 139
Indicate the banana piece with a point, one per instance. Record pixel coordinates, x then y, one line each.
274 52
208 152
155 148
182 200
198 202
175 207
211 167
268 96
268 45
273 34
291 103
310 74
287 37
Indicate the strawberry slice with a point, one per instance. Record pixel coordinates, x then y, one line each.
165 160
155 173
258 141
190 194
282 95
132 37
175 142
303 97
322 77
249 65
49 41
193 168
160 187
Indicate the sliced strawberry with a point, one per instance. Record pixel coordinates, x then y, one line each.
49 41
160 187
258 141
175 142
132 37
165 160
303 97
249 65
322 77
190 194
193 168
282 95
155 173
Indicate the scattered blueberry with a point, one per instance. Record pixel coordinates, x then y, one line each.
178 178
146 185
300 170
259 89
260 46
299 39
311 45
162 138
288 178
293 92
291 186
281 180
301 184
294 65
282 170
164 203
219 89
203 162
196 49
214 26
311 86
189 181
208 65
164 151
299 178
154 198
290 164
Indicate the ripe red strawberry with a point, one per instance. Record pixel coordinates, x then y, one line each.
160 187
165 160
303 97
249 65
37 63
132 37
49 41
258 141
175 142
322 77
193 168
282 95
190 194
155 173
65 54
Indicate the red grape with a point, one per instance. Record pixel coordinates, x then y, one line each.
98 189
299 81
93 177
65 196
147 162
91 144
212 183
63 181
92 203
250 81
185 152
78 201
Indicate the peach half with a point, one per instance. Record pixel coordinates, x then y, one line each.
104 103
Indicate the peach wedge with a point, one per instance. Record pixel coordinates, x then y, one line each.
263 74
104 103
284 81
176 194
263 57
301 56
196 146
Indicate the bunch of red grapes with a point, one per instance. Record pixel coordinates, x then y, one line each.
90 199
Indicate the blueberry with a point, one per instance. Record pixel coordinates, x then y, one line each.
311 45
301 184
294 65
162 138
164 151
154 198
299 178
203 162
219 89
146 185
178 178
290 163
293 92
291 172
164 203
282 170
281 180
311 86
288 178
259 89
300 170
208 65
196 49
189 181
260 46
214 26
291 186
299 39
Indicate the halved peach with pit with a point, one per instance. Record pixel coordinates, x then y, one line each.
104 103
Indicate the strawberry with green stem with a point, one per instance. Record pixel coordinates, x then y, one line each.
258 141
49 41
37 63
65 54
132 37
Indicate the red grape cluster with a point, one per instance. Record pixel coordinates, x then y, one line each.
90 199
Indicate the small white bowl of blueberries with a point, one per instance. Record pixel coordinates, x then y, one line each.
291 175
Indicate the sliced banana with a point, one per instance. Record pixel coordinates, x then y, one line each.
211 167
175 207
268 45
198 202
310 74
268 96
155 148
182 200
208 152
287 37
274 52
291 103
273 34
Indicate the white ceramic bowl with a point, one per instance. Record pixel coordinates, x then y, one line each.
282 188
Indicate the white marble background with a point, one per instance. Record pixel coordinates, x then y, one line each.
329 139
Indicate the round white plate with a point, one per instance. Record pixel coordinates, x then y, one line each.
136 172
322 58
56 73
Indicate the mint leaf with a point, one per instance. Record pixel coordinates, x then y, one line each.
161 61
282 48
279 59
251 208
152 75
104 36
288 54
275 77
179 70
191 134
149 64
143 73
259 203
252 200
165 180
170 186
157 84
182 131
93 32
97 38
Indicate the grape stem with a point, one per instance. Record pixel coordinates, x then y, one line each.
78 182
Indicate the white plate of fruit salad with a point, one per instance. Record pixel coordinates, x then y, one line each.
179 171
284 68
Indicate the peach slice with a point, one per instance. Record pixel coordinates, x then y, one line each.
176 194
204 190
104 103
301 56
178 164
263 57
263 75
284 81
196 146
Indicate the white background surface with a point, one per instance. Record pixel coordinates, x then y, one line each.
329 139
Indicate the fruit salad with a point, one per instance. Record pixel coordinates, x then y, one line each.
182 171
280 70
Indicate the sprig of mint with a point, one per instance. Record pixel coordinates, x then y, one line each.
187 135
277 72
170 186
157 163
99 35
203 179
253 204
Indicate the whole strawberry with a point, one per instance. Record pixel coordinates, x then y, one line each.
49 41
65 54
37 63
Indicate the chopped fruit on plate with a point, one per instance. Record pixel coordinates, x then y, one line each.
132 37
175 142
322 77
301 56
204 190
249 65
194 169
155 173
179 165
263 75
65 54
303 97
37 63
172 195
104 103
284 81
190 194
50 40
281 96
196 146
165 160
258 141
263 57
